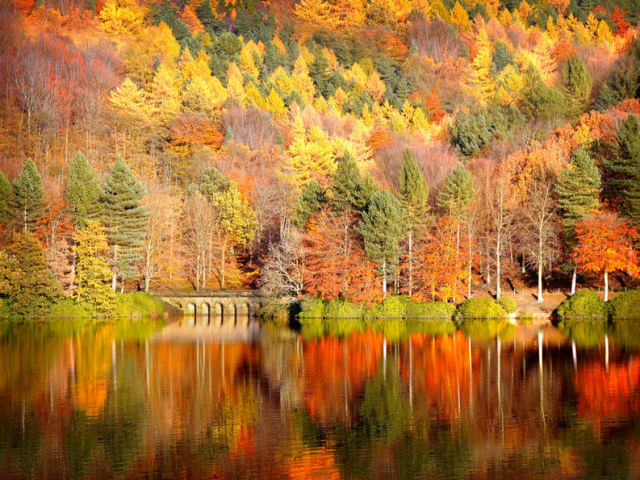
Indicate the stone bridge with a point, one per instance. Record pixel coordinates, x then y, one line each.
218 304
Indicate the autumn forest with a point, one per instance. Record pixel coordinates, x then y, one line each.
340 149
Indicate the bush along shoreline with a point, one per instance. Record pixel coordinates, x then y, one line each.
136 306
586 305
401 307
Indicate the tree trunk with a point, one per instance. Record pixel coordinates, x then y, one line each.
498 288
114 280
606 286
573 280
384 278
410 262
224 248
540 246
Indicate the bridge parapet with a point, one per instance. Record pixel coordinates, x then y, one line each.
220 303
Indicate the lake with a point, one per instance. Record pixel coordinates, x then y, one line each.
331 400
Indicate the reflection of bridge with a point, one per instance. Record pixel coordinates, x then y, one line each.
189 331
219 304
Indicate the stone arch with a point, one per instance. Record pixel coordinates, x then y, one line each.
233 313
192 312
217 314
205 311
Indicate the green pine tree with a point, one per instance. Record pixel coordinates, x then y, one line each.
457 192
311 200
125 219
624 167
94 292
578 188
383 227
29 196
413 192
32 286
577 84
7 200
83 192
349 188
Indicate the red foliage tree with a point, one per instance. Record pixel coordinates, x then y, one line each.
335 263
605 244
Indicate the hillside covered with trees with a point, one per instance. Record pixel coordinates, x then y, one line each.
338 148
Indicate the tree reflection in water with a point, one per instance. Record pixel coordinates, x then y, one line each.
340 399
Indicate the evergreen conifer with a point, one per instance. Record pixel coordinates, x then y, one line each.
457 192
413 192
578 187
7 199
29 196
624 168
125 219
311 200
83 192
577 84
383 227
349 187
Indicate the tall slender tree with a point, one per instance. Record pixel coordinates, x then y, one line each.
578 187
413 192
83 192
7 199
624 167
29 197
383 227
349 188
455 197
124 218
93 275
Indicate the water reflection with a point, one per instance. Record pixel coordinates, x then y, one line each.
335 400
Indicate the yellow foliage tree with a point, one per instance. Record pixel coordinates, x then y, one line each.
203 96
460 18
235 82
482 81
165 94
122 17
375 87
316 12
311 155
275 105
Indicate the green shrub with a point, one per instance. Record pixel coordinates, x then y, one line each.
585 333
487 329
67 308
584 305
312 307
440 310
480 308
526 318
508 304
339 308
138 305
392 307
137 331
625 306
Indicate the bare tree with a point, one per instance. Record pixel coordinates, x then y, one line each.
198 229
541 229
283 269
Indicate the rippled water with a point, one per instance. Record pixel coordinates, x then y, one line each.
332 400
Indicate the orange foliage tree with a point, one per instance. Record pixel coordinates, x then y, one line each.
605 244
335 261
444 267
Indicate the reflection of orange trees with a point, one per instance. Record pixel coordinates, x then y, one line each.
441 371
93 362
313 464
337 370
607 395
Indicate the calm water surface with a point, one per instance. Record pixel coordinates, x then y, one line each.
332 400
